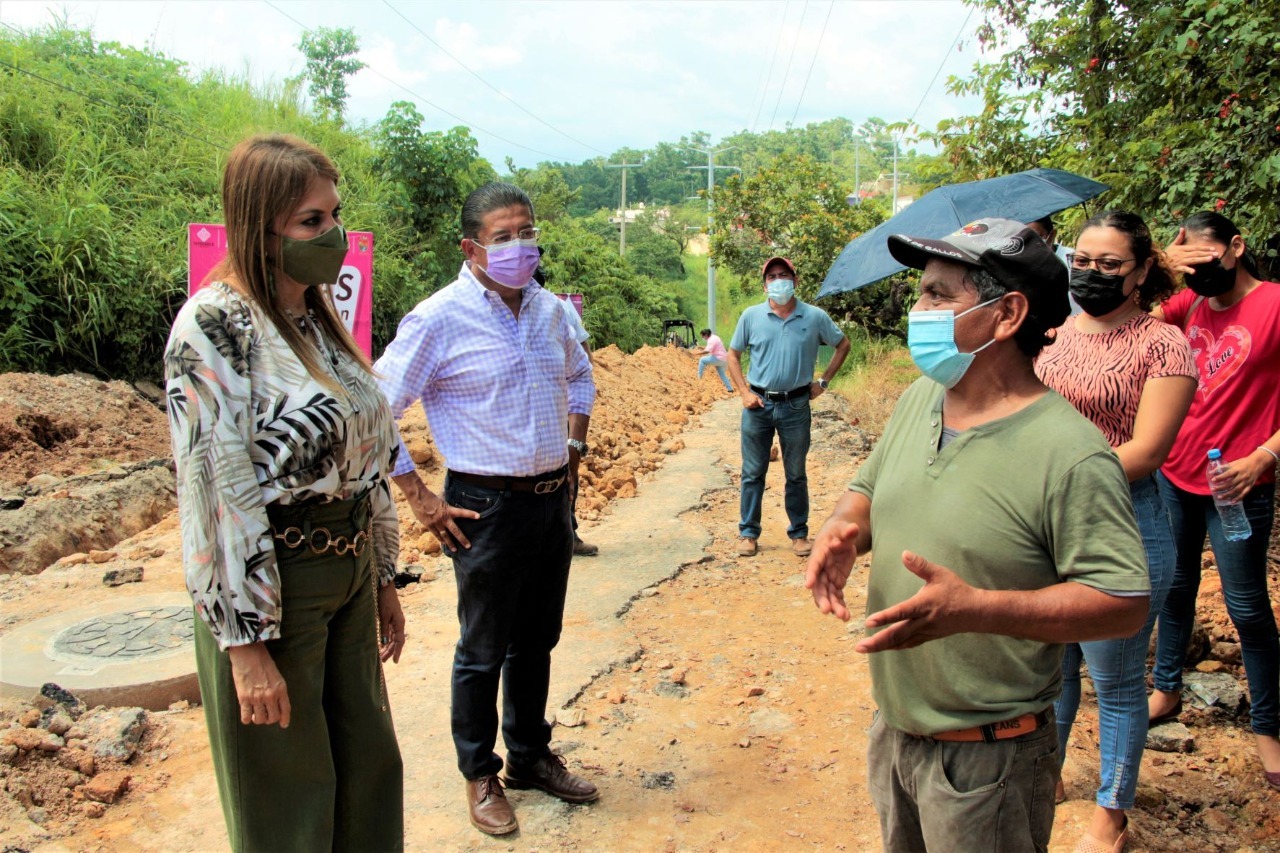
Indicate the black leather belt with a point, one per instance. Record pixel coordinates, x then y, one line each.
542 484
777 396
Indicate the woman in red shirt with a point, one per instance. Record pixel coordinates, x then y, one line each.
1232 320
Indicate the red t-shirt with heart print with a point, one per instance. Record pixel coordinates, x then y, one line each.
1237 403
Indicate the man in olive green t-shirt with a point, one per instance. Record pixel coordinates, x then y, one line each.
1002 527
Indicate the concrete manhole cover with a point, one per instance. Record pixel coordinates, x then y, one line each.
135 650
127 634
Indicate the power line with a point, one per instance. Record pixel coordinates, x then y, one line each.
490 85
82 68
811 63
782 87
420 98
945 56
95 99
765 89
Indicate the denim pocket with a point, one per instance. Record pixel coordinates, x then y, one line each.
798 404
484 501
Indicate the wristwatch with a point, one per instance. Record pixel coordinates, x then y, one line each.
822 383
580 446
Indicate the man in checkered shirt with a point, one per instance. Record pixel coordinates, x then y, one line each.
499 372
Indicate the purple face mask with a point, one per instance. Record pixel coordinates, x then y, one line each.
511 264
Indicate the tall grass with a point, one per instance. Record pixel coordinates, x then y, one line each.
876 373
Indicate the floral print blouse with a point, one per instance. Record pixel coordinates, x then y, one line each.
250 427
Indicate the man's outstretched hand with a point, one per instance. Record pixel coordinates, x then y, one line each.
829 566
945 605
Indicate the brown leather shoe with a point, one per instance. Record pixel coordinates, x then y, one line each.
584 549
802 547
488 806
747 547
549 774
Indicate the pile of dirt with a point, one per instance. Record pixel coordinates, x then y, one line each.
643 403
84 463
53 427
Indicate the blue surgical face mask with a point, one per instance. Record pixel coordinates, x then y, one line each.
931 339
781 290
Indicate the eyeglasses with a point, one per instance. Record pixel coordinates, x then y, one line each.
1107 266
523 234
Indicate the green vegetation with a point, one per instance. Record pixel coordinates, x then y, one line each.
107 152
1176 105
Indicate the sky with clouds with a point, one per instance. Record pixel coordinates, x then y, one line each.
569 80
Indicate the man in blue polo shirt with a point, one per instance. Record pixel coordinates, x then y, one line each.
783 335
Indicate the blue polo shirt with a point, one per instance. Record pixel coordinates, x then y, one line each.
783 352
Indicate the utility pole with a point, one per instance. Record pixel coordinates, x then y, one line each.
857 183
711 264
894 210
622 231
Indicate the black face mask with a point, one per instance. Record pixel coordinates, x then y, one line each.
1097 293
1211 279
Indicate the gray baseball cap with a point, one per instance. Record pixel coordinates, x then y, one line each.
1017 256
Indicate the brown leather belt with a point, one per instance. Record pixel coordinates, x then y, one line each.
542 484
993 732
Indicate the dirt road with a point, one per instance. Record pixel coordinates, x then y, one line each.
703 692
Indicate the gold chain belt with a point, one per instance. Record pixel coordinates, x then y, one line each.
323 541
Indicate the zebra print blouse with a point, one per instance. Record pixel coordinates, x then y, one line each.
250 427
1103 374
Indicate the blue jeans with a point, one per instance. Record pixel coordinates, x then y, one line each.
718 363
1243 569
790 420
511 589
1117 667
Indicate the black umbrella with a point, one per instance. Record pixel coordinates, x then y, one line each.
1024 196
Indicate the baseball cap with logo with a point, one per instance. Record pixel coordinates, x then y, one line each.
1017 256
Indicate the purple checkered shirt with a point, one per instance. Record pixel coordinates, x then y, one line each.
497 392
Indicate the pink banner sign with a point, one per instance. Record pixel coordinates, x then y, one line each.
352 292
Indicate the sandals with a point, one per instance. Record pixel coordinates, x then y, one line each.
1273 778
1089 844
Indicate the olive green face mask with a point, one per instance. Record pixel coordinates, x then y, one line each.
315 261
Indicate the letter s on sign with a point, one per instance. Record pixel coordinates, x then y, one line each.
348 279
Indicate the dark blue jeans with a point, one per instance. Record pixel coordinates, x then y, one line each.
511 589
1243 569
790 420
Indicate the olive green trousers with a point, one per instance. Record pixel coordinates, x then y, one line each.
333 780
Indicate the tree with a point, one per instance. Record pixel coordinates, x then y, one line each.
797 209
619 306
329 55
547 189
1176 105
680 224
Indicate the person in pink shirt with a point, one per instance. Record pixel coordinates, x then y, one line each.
715 355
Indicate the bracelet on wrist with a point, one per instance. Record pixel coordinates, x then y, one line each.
1266 449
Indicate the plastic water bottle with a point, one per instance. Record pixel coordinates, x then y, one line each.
1235 524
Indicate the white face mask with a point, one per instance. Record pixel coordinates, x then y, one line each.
781 290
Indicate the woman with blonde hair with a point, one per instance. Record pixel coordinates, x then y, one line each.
282 443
